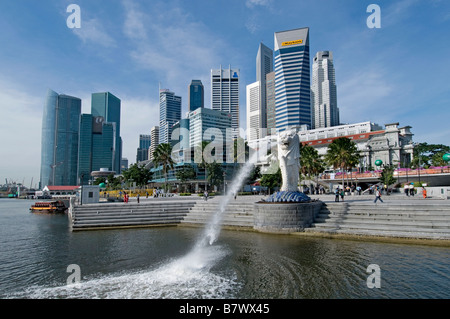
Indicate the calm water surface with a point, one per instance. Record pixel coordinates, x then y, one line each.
35 251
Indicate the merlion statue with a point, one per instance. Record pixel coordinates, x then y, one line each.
289 157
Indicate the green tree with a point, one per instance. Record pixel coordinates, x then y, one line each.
215 173
162 155
271 180
342 153
185 174
387 175
311 163
99 180
138 174
255 174
425 154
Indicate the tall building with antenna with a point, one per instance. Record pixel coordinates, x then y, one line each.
323 91
225 94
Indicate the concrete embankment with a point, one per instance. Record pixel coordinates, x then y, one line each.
397 217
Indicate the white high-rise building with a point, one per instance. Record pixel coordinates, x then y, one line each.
325 112
255 115
225 94
154 141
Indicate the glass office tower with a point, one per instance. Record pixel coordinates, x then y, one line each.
108 106
59 144
196 95
292 79
96 145
169 114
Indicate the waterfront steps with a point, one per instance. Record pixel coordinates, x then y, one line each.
238 214
122 215
416 220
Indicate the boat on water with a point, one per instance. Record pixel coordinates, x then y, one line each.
49 207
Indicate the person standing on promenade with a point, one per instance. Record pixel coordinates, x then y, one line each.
342 194
424 192
336 193
406 188
137 197
377 195
411 189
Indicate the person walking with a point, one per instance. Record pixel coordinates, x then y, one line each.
342 194
406 189
424 192
205 194
377 195
411 189
137 197
336 193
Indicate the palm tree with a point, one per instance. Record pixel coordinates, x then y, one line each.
163 156
342 153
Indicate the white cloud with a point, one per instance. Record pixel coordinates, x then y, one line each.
92 31
182 50
138 117
20 123
367 94
255 3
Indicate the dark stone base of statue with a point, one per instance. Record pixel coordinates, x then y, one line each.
287 197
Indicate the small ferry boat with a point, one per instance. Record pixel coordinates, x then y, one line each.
49 207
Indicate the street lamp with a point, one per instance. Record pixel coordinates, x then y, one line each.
224 182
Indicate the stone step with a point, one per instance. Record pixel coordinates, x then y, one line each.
367 226
383 233
364 222
128 212
383 216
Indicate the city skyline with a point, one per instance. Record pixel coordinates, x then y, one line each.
377 70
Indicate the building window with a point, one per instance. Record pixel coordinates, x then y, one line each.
91 194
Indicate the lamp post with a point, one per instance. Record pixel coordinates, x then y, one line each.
224 183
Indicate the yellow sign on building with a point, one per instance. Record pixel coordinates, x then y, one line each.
287 43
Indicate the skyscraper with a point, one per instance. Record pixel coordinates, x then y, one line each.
264 65
255 113
144 145
323 91
154 141
292 79
95 147
59 144
169 114
225 94
270 103
196 95
108 106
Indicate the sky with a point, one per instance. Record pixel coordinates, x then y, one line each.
396 73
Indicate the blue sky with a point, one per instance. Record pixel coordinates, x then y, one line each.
397 73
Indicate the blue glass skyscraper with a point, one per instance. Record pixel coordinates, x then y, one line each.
196 95
292 79
169 114
59 145
108 106
95 147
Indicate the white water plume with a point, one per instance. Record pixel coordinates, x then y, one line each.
212 229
